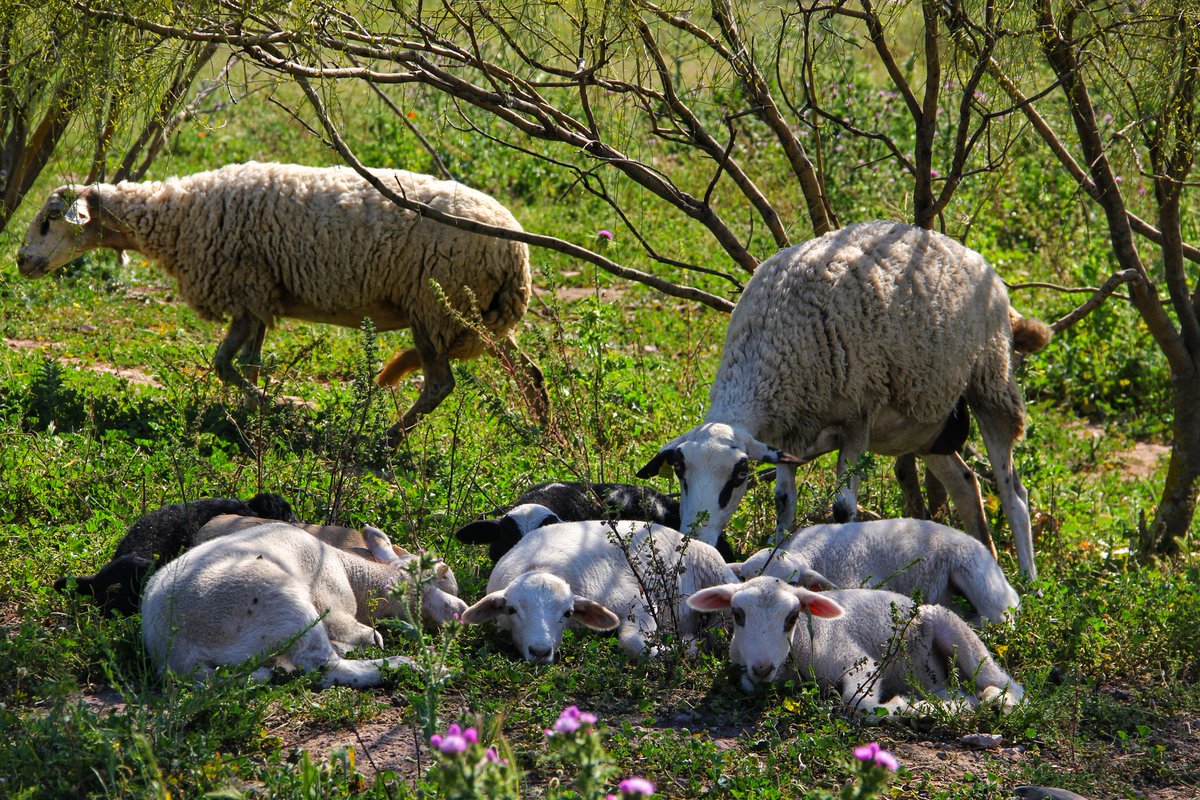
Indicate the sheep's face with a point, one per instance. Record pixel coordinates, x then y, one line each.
537 607
58 234
765 613
713 462
781 564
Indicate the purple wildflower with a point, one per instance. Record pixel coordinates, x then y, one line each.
873 754
636 787
570 720
604 234
455 741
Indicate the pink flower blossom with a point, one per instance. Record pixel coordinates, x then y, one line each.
873 754
604 234
455 741
636 787
570 720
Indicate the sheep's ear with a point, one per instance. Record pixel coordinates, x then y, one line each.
594 615
488 608
818 605
714 598
816 582
482 532
658 465
761 451
440 570
78 213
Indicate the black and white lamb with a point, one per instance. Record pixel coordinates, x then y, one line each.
158 537
573 501
632 576
903 555
275 592
868 644
257 242
866 338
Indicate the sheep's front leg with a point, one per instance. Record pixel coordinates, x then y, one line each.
243 332
785 501
250 355
439 382
854 443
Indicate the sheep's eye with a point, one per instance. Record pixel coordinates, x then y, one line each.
45 229
567 614
739 617
790 622
512 612
54 213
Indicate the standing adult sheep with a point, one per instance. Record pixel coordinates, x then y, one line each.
866 338
259 241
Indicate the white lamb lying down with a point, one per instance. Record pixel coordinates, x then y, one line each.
902 555
851 642
629 575
439 589
249 593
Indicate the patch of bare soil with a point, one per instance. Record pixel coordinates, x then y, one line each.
385 744
134 376
1138 462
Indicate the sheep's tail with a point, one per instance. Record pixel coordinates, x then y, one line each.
1028 335
502 314
511 298
402 364
954 639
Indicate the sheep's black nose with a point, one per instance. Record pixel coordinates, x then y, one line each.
762 671
540 654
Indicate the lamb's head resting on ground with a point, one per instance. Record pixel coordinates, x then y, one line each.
536 608
713 462
765 613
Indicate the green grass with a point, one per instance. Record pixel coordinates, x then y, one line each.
1106 648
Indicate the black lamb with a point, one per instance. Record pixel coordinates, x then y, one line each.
158 537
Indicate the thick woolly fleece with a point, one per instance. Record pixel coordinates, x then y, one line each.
276 240
872 315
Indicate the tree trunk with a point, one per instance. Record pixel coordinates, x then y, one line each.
1177 504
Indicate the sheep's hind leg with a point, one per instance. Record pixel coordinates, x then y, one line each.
439 382
999 431
243 332
960 481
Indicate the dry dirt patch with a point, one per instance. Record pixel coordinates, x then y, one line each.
134 376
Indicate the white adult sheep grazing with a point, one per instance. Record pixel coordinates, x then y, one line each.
876 645
249 593
903 555
257 242
866 338
600 575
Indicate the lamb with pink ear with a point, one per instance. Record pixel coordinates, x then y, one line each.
631 576
903 555
870 645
